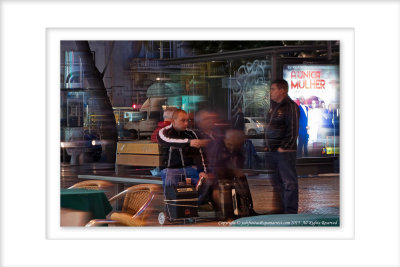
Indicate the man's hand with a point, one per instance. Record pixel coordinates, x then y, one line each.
203 174
266 148
194 143
199 142
204 142
285 150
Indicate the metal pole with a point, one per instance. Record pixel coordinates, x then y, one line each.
274 66
161 50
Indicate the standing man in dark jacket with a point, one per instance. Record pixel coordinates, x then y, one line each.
281 136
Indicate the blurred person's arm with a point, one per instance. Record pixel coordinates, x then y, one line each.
197 143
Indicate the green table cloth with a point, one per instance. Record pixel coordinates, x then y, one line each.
93 201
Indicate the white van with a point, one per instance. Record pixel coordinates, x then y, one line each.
152 113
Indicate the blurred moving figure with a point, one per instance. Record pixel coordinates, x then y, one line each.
226 157
205 121
314 120
326 121
252 160
191 120
206 128
206 125
303 129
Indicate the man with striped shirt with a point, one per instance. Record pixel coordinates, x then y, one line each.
281 142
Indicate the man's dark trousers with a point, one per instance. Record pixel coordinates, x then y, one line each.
285 179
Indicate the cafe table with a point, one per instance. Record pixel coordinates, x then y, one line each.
79 206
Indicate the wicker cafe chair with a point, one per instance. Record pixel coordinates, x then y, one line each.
92 184
141 202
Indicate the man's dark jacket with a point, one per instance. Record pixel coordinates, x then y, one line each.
282 125
169 137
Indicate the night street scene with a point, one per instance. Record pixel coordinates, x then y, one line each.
200 133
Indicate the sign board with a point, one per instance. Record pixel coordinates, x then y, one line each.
313 82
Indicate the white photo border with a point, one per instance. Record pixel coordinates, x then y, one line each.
376 187
346 229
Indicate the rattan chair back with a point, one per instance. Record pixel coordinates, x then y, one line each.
92 185
137 196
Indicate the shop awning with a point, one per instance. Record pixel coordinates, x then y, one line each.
162 89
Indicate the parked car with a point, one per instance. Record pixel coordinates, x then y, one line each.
253 125
81 146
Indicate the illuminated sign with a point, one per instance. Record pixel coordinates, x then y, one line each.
306 79
317 88
313 82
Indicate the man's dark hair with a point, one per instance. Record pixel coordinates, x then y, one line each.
281 83
176 112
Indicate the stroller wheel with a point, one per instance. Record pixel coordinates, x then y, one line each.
161 218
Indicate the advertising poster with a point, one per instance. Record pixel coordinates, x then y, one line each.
317 88
314 82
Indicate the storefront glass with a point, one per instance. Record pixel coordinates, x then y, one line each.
161 74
